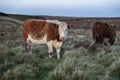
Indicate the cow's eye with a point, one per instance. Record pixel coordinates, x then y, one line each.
56 26
66 28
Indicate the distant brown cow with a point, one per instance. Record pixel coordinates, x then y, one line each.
49 32
104 30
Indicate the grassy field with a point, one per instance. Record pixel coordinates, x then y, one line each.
76 63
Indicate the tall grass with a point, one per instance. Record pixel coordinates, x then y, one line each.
81 65
17 65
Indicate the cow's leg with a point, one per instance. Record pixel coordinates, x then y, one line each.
58 53
50 49
111 41
100 39
26 42
106 41
26 49
96 40
57 46
28 46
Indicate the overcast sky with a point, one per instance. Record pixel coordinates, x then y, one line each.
75 8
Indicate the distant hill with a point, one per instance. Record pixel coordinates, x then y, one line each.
78 22
3 14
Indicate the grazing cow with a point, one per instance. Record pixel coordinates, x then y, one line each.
102 31
49 32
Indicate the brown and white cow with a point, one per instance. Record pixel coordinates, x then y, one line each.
49 32
102 31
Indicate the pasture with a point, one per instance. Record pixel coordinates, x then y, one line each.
76 63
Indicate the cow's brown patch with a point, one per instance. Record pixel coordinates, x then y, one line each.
38 29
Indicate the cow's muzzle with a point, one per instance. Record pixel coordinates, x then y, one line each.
62 38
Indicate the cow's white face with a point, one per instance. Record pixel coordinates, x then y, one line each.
63 30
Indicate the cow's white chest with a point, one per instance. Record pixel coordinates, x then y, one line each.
43 40
57 44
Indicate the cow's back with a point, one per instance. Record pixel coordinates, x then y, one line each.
34 28
38 28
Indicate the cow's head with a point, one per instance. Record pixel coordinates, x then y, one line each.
63 30
114 26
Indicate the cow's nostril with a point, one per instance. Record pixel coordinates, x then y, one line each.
62 38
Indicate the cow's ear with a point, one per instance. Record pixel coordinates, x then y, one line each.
70 26
113 25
